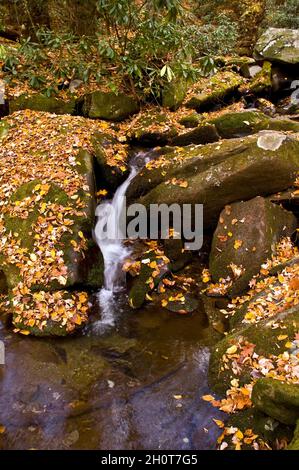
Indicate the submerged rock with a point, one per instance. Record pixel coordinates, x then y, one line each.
279 44
277 399
245 237
109 106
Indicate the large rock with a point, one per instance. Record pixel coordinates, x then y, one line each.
259 338
174 94
245 237
219 174
109 106
47 200
277 399
211 91
248 122
39 102
279 44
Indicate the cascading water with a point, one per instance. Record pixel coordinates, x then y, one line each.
110 237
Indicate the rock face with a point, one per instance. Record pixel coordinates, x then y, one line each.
219 174
42 103
278 44
213 90
277 399
47 214
108 106
245 237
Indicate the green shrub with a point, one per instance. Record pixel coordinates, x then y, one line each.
282 14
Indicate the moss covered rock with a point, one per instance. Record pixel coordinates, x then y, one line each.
245 237
294 444
244 123
278 44
152 129
202 134
262 81
42 103
111 157
214 90
262 336
109 106
219 174
277 399
191 120
174 94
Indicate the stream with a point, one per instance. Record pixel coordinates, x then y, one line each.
132 380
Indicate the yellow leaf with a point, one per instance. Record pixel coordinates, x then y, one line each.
238 244
164 302
24 332
148 297
177 397
232 350
80 234
153 264
219 423
288 344
230 234
207 398
2 429
282 337
239 434
33 257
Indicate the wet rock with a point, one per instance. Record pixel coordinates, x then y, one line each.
277 399
245 237
39 102
109 106
209 92
244 123
188 304
278 44
219 174
141 285
108 170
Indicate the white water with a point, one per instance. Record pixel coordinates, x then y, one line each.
109 237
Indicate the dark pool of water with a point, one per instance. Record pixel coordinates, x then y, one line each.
111 390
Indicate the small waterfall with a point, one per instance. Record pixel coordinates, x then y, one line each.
109 235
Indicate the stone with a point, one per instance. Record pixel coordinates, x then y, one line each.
277 399
39 102
294 444
173 94
247 122
108 105
278 45
109 172
262 80
191 120
210 91
220 173
203 134
152 129
245 237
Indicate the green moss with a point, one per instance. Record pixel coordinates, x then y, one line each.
262 81
277 399
4 128
109 106
42 103
294 445
174 94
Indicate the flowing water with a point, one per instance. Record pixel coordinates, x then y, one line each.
111 388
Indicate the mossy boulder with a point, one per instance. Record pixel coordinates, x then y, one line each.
152 129
244 123
108 105
211 91
174 93
111 157
39 102
191 120
294 444
277 399
143 283
264 338
203 134
245 237
278 45
221 173
262 81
